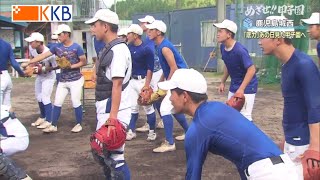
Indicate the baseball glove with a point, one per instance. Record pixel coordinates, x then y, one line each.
311 165
34 69
110 136
236 101
63 62
28 71
145 96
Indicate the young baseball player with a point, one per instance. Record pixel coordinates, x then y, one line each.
71 78
170 61
44 81
222 130
122 34
157 71
113 99
238 65
314 29
142 69
301 112
55 41
14 139
14 136
6 55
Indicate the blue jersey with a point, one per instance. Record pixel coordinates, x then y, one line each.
237 62
98 45
222 130
142 59
301 92
72 53
163 62
318 49
151 45
51 44
6 54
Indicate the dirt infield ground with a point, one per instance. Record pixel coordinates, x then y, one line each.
64 155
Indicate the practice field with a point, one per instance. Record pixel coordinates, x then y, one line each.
65 155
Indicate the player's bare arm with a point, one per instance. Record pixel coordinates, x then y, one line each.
223 79
116 96
148 78
168 55
82 62
247 78
40 57
314 137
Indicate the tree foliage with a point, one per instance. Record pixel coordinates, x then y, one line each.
126 8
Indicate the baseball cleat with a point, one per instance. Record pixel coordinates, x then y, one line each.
144 128
130 135
77 128
152 136
38 122
50 129
160 125
180 138
165 147
44 125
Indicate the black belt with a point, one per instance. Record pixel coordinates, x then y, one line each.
275 160
138 77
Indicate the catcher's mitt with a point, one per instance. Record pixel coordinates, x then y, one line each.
145 96
236 101
311 165
63 62
110 136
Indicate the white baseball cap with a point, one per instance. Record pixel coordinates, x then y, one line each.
314 19
148 19
123 32
62 28
105 15
186 79
227 24
135 28
35 37
273 29
54 36
157 24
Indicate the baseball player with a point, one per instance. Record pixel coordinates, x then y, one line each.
55 41
14 139
122 33
14 136
44 81
98 46
222 130
238 65
6 55
113 99
301 112
157 71
71 79
142 69
170 61
314 29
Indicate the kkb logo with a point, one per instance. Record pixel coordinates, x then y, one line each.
41 13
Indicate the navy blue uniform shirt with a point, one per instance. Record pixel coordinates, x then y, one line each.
301 92
222 130
142 59
237 62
